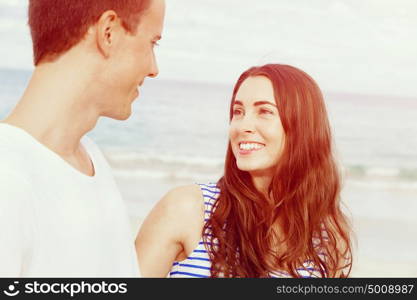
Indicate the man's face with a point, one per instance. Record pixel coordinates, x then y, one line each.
133 60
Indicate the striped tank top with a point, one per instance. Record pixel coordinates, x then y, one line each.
198 263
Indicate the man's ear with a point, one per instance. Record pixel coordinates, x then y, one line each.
108 28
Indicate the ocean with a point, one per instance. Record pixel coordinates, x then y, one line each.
184 125
177 134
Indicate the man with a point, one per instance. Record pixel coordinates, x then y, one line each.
61 214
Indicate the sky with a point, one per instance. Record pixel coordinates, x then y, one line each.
354 46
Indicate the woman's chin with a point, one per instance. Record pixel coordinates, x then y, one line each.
256 170
249 168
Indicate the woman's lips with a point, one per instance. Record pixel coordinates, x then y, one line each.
247 152
246 148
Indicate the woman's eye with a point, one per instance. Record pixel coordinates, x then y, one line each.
265 111
237 112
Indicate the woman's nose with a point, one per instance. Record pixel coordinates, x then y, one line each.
247 124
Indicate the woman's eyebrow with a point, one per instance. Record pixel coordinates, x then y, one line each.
257 103
238 102
262 102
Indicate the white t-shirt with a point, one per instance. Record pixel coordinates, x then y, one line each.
56 221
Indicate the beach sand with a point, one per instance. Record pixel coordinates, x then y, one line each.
385 245
384 249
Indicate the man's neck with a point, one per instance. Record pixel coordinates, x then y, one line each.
57 107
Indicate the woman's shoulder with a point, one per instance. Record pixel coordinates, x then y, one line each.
185 194
182 200
188 194
176 212
187 200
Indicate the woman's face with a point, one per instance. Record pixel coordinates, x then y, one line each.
256 133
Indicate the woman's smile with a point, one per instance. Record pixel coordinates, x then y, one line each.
248 147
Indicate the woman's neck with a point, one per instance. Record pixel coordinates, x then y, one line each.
262 181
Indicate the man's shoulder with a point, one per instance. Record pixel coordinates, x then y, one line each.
14 168
15 187
12 157
12 140
19 156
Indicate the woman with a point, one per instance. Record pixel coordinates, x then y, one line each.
276 211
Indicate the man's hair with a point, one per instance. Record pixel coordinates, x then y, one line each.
57 25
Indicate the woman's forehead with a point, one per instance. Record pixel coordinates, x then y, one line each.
255 89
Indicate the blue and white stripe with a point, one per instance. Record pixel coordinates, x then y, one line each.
198 263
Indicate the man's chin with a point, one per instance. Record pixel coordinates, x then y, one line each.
120 116
123 118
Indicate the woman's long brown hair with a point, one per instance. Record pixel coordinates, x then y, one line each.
304 194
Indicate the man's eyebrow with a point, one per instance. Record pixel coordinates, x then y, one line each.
237 102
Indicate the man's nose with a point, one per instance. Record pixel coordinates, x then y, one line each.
154 68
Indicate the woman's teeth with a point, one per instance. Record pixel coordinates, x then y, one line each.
250 146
